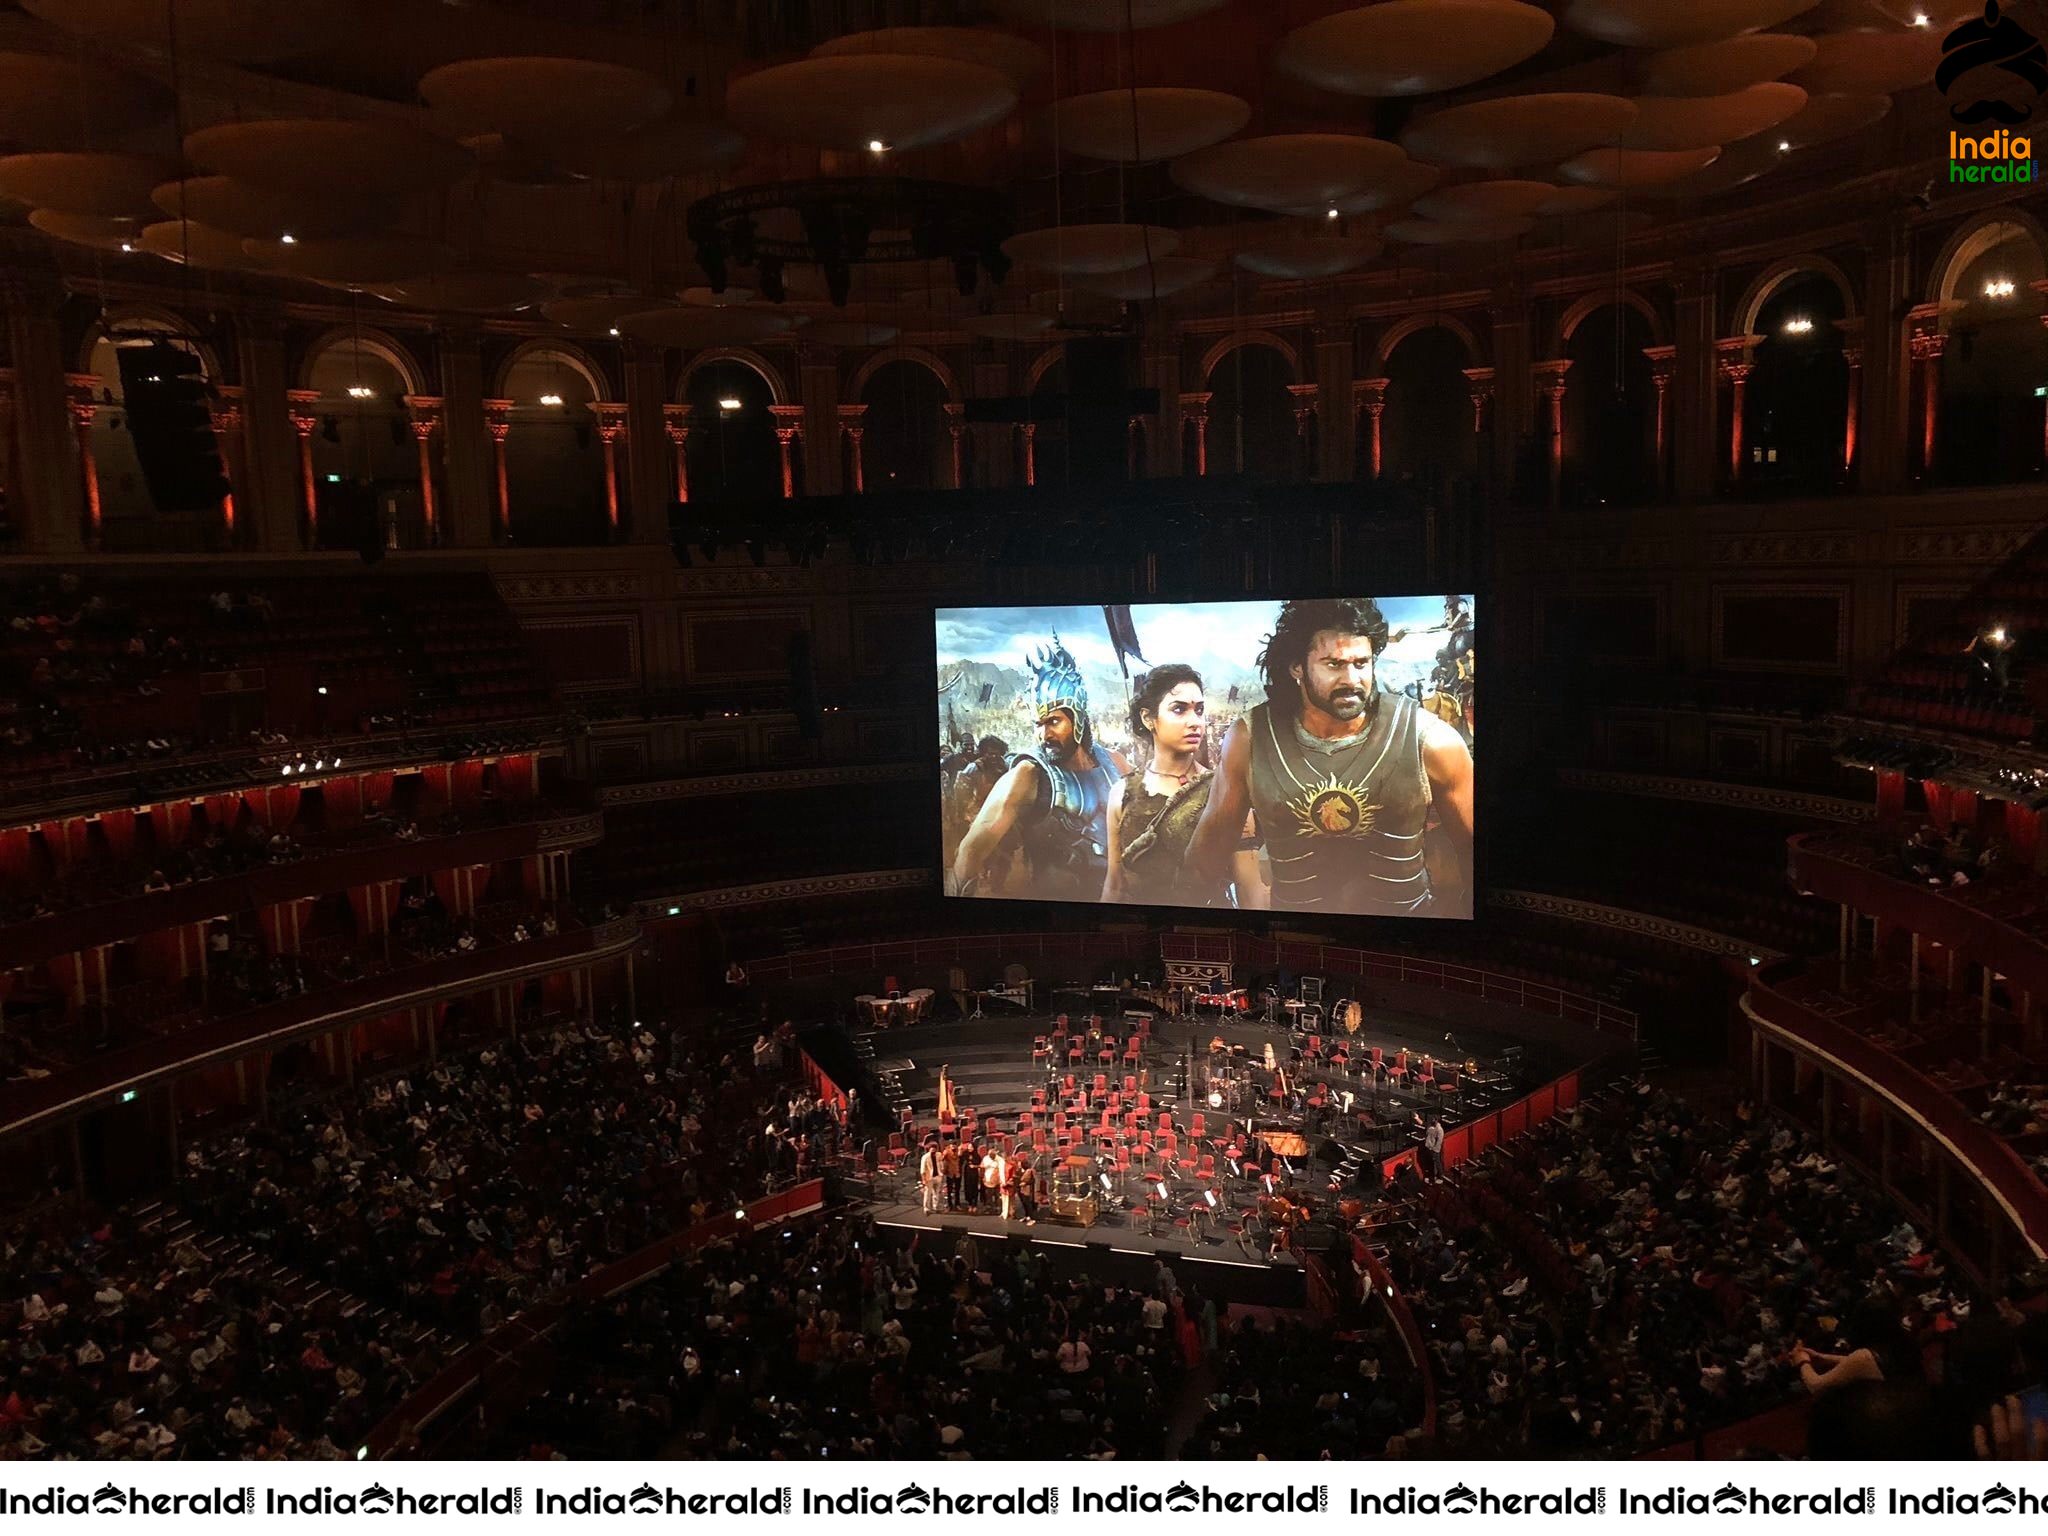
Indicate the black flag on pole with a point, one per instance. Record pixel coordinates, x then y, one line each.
1123 634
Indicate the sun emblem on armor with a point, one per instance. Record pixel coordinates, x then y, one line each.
1332 809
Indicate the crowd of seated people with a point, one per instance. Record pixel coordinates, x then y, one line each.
87 658
1955 857
454 1195
1635 1274
886 1344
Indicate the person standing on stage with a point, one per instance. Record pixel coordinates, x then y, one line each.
949 1170
1342 777
1027 1191
992 1191
928 1177
1433 1149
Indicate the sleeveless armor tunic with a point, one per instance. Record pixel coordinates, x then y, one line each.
1153 832
1342 820
1067 842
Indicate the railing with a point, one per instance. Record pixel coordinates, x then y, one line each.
1948 915
1982 1154
1405 1325
504 1357
100 1080
1138 947
71 791
1473 1137
316 874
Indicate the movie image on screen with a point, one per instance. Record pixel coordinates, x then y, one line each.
1314 755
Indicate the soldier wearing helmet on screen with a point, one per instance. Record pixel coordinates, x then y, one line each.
1342 777
1054 799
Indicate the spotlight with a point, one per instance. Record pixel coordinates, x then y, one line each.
337 762
287 773
321 690
615 330
360 392
550 399
126 248
287 238
1998 635
1784 146
740 1214
1756 959
1798 325
877 147
728 402
1920 19
1999 288
1331 214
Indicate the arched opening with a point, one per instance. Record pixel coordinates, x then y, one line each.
366 462
1610 411
1796 405
554 463
1042 446
129 518
734 454
906 445
1426 428
1990 426
1252 430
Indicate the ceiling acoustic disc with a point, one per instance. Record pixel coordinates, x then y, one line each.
320 156
539 98
1303 256
1695 122
1146 124
1458 231
1486 200
1872 63
1714 69
1637 167
183 240
1104 15
53 101
1160 279
233 31
1828 117
227 204
1674 23
106 186
1091 249
1507 131
1017 58
1291 170
853 102
1413 47
1008 325
472 292
88 229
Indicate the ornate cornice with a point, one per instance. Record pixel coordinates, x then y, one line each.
1747 797
569 832
773 891
567 588
704 785
1646 924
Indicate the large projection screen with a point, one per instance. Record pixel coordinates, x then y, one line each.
1313 755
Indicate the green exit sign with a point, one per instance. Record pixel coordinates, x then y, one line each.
128 1097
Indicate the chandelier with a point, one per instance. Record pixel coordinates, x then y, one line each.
847 222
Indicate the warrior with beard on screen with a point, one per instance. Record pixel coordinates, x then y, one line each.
1055 798
1341 776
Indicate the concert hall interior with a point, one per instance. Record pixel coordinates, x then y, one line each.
736 731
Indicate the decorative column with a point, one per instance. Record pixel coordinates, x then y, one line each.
9 451
78 394
301 403
2041 287
1030 430
1134 441
45 501
498 422
1194 406
956 428
1852 354
1549 376
1508 322
852 430
1479 390
1735 356
1336 403
1663 363
1371 395
611 427
789 424
1163 444
1693 388
425 414
1305 398
676 421
225 416
1926 340
467 496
